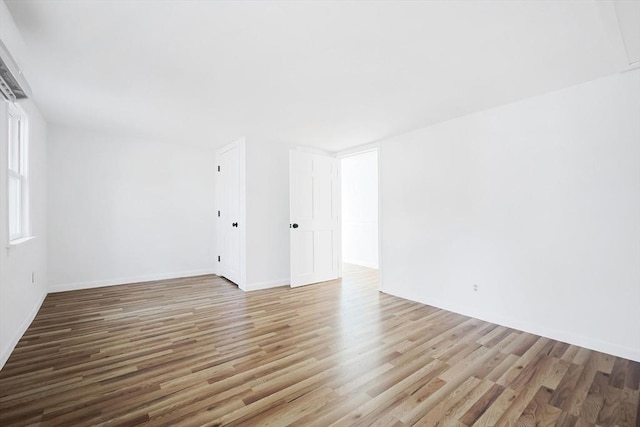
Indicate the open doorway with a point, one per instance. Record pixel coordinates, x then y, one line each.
359 211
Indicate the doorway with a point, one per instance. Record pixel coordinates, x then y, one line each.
314 230
333 214
359 210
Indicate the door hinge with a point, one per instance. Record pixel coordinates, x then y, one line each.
218 258
218 213
218 168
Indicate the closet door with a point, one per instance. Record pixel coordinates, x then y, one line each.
229 209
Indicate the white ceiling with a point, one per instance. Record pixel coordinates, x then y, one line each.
326 74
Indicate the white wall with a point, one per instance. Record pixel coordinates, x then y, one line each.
359 192
20 299
536 202
267 201
125 210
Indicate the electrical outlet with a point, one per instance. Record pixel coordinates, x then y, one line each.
475 288
33 277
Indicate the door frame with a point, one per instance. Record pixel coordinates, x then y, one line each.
240 144
361 149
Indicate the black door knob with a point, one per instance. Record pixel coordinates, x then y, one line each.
235 224
295 225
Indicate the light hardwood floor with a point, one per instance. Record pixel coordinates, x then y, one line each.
199 351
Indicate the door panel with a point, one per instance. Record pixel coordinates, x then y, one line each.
304 242
325 249
314 242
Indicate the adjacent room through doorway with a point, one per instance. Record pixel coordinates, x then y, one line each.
359 192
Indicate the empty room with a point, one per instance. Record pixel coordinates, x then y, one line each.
320 213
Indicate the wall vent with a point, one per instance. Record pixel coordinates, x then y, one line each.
13 85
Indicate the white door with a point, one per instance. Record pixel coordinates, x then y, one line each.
314 218
229 213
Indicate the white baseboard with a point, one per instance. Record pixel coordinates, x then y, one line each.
6 352
265 285
361 263
552 333
127 280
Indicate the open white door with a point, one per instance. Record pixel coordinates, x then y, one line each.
314 217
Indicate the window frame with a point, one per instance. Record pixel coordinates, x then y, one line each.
17 172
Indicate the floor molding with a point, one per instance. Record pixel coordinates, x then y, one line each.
265 285
21 330
128 280
555 334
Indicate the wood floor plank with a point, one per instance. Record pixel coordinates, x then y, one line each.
200 352
490 414
458 410
538 413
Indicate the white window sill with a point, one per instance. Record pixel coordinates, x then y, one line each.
18 242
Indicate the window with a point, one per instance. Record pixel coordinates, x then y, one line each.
17 169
